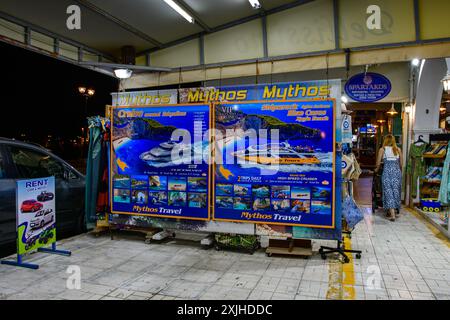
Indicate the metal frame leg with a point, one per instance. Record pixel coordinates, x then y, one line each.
19 263
53 250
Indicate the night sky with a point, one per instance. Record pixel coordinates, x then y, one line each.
39 95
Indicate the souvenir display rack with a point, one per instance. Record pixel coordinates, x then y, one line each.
430 184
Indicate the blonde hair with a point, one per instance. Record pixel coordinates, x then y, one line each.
389 141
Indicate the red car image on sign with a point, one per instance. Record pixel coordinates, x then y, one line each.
31 206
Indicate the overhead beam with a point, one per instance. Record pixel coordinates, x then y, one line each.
337 32
196 17
119 22
417 19
112 66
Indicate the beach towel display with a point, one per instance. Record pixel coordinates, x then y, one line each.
444 190
438 150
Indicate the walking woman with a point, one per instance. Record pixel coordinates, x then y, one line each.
391 156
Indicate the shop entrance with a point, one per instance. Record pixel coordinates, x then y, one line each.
370 123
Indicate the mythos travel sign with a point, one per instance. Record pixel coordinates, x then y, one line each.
368 87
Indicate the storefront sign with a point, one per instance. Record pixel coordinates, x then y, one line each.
36 216
144 98
368 87
158 168
277 163
278 91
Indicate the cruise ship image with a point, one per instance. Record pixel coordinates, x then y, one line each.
163 152
282 154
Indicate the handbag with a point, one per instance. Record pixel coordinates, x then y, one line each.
351 212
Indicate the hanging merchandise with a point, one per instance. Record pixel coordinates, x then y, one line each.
350 167
416 165
347 133
444 194
356 173
97 168
347 166
351 213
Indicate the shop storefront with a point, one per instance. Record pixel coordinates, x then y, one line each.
428 153
294 194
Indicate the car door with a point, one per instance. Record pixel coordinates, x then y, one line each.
31 163
47 217
7 201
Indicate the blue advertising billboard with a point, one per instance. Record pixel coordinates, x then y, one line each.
159 163
275 163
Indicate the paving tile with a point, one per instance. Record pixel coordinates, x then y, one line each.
268 284
219 292
294 272
113 278
245 281
260 295
162 297
283 296
201 275
422 296
96 289
408 261
74 295
121 293
288 286
184 289
149 283
250 267
110 298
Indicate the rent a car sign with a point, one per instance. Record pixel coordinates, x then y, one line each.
36 216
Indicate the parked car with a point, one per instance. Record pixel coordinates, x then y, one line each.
30 206
42 218
45 196
19 160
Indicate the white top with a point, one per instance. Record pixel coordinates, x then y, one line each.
389 154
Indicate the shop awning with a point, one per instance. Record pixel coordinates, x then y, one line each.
107 26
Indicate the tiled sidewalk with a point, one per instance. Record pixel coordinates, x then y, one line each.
401 260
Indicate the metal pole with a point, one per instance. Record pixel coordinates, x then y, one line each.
85 122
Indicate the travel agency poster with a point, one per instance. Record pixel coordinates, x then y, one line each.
158 163
275 162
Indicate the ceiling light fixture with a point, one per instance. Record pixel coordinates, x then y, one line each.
415 62
123 73
255 4
392 112
180 10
